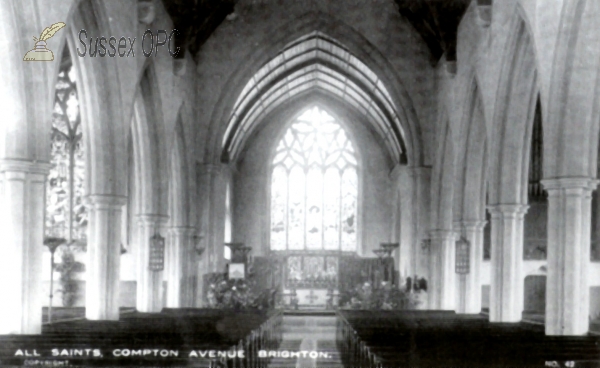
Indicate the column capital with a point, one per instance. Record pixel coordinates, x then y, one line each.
104 201
151 219
182 230
585 183
442 234
471 225
25 166
508 209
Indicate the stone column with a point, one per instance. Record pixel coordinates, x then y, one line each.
22 207
103 256
180 267
403 222
149 283
470 292
567 286
442 276
421 182
506 289
200 266
210 219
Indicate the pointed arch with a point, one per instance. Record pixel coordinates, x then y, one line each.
99 100
470 199
315 62
442 181
320 69
572 111
150 148
513 118
179 201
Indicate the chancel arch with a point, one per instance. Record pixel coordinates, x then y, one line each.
315 52
315 61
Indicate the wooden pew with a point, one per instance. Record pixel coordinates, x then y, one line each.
423 338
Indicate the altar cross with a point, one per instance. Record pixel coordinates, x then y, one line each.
311 296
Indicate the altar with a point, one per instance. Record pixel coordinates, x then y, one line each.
319 280
310 298
311 281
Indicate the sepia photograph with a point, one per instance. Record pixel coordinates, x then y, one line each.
299 183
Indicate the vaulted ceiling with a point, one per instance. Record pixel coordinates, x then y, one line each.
435 20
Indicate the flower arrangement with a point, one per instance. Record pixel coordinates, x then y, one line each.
240 294
383 296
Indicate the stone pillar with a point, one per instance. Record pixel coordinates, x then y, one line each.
180 267
442 276
470 290
201 266
210 219
507 288
149 283
403 222
22 207
567 286
410 194
419 213
103 256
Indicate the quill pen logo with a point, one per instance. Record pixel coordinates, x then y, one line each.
40 52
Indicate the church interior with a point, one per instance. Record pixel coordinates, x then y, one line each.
312 183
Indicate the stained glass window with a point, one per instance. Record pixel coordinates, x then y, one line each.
314 186
65 212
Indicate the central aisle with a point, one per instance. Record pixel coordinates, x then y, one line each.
308 333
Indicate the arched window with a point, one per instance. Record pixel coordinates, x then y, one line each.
314 186
65 213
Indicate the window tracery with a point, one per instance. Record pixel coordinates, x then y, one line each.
314 186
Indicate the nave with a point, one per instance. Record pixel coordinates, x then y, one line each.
377 182
301 339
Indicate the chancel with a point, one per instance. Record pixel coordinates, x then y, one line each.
305 183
